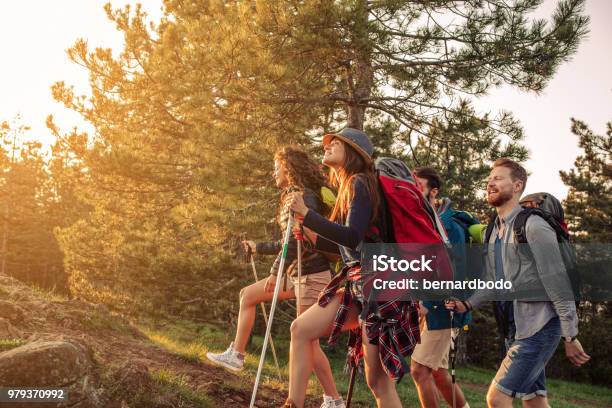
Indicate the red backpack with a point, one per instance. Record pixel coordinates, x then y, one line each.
406 217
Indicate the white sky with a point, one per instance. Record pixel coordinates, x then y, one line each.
34 36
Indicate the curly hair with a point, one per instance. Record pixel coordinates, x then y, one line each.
302 171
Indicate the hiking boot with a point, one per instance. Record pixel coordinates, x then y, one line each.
230 358
329 402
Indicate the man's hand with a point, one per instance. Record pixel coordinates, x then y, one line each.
456 305
270 283
250 246
575 353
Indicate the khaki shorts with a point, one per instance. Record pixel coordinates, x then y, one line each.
433 349
311 286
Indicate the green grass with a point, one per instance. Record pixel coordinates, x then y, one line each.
96 320
162 388
192 340
175 385
8 344
47 294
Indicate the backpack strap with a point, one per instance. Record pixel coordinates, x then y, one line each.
520 230
489 231
520 223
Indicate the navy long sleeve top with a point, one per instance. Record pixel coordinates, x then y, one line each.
347 238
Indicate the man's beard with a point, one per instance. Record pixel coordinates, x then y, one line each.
501 198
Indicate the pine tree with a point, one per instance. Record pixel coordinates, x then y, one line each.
188 114
589 201
460 148
29 249
588 211
413 60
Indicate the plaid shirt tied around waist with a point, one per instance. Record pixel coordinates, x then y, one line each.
392 325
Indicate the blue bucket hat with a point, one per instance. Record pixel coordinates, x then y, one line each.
357 139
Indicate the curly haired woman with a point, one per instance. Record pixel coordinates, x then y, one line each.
293 171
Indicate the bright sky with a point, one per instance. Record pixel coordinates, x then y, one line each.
34 36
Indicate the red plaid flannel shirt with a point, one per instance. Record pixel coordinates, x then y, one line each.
392 325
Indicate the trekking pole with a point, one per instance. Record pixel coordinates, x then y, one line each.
298 292
265 316
279 276
452 356
349 394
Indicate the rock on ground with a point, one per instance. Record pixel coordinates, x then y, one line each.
57 364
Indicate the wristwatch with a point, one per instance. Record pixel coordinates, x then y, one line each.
570 339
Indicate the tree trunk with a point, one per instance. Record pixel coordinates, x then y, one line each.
361 80
360 76
356 116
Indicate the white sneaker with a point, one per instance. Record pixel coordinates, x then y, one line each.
329 402
230 358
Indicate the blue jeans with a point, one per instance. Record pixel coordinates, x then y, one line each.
521 374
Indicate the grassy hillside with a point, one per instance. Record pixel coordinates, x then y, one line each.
192 340
160 362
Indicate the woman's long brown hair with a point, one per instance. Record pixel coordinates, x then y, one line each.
302 172
354 167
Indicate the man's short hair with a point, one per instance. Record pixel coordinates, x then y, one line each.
431 175
517 172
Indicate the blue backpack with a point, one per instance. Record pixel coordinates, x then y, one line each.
456 224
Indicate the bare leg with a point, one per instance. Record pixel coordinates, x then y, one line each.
322 369
250 297
379 382
537 402
445 386
315 323
426 387
497 399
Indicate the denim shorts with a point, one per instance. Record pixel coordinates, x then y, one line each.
521 374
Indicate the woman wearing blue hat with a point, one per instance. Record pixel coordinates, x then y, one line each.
342 306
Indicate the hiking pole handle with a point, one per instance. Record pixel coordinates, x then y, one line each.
246 248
